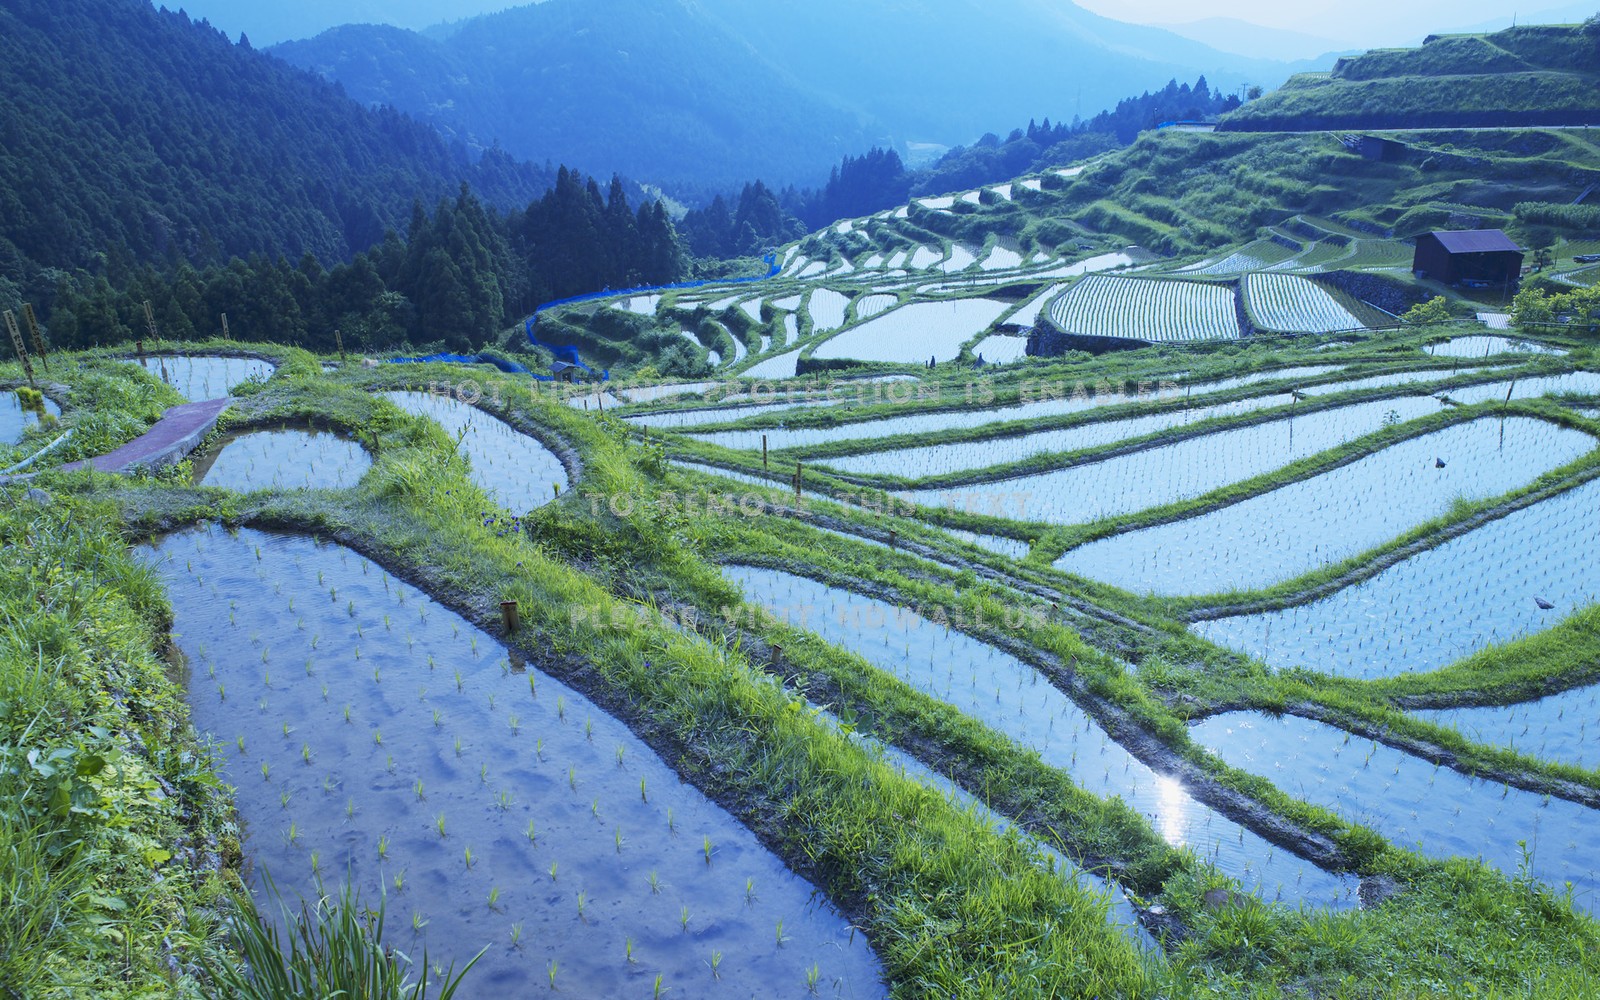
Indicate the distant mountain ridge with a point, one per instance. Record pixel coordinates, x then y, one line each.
710 92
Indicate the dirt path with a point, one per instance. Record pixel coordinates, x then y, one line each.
176 434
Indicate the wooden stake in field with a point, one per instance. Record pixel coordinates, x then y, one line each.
797 479
338 340
16 342
150 323
225 335
510 616
763 453
38 336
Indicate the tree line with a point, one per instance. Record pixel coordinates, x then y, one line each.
456 280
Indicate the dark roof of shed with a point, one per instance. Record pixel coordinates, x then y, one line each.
1477 241
561 366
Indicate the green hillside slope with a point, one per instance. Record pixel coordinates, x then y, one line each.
1535 75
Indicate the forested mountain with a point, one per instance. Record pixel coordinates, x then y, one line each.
134 135
720 91
456 279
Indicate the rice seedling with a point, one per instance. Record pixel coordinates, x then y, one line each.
655 884
483 774
516 935
616 837
750 890
627 947
316 864
716 965
283 800
438 719
350 809
594 808
779 939
583 900
400 880
659 989
417 922
642 796
552 871
516 724
458 680
240 743
347 713
292 835
458 746
494 897
503 800
706 846
620 750
683 918
266 771
438 823
377 738
466 855
553 968
532 833
813 975
572 778
561 708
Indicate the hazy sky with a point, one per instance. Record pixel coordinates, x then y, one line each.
1383 21
1354 22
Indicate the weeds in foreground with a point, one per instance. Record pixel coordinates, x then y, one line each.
333 948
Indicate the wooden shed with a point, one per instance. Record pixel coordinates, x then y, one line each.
1478 258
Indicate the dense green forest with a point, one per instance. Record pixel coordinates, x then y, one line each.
457 279
132 136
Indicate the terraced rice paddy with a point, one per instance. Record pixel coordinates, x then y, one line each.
1090 265
960 259
945 458
1432 809
1289 303
718 414
1440 605
200 377
282 459
778 367
1146 309
924 258
1014 699
1483 347
15 419
1178 471
869 306
372 732
1001 259
515 470
1563 727
1001 350
664 390
1331 517
641 305
915 332
827 309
